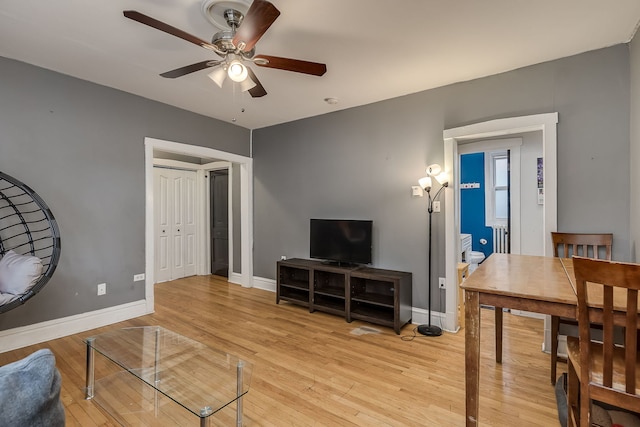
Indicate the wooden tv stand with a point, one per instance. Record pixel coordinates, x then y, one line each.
370 294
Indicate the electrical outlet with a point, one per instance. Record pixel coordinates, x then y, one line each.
441 283
102 288
138 277
436 206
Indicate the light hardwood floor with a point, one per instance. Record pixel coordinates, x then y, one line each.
309 369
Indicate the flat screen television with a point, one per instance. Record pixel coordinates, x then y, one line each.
343 241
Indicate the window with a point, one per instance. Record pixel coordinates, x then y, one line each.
497 186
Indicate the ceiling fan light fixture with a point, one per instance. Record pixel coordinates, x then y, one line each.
247 84
237 71
218 75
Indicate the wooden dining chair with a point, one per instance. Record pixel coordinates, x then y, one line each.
603 370
566 245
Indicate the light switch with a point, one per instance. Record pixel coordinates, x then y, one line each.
436 206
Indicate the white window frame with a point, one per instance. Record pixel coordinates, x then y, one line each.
490 184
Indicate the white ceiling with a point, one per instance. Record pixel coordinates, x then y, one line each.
374 49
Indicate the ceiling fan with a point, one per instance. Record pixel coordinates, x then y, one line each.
235 46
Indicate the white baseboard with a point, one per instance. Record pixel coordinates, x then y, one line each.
24 336
263 283
235 278
420 316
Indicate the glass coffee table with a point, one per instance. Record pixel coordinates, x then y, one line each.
155 377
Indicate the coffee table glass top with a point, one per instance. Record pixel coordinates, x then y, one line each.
199 378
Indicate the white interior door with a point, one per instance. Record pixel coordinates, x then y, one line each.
161 225
189 223
175 223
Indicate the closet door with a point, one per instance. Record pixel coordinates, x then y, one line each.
189 223
162 226
175 223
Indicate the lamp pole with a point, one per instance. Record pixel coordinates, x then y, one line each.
429 329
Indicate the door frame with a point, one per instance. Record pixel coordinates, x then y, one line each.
245 165
509 144
547 123
208 168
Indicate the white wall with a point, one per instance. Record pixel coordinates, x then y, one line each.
531 213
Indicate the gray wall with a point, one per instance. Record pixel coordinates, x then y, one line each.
635 147
81 147
361 162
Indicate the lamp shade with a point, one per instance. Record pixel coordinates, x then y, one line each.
425 183
247 84
218 75
443 179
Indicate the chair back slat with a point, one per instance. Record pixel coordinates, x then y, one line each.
611 289
607 336
631 340
587 245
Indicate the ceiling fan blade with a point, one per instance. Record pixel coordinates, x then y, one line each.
159 25
256 22
305 67
257 91
179 72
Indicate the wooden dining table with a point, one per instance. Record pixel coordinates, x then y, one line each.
531 283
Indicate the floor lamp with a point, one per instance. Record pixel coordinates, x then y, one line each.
425 183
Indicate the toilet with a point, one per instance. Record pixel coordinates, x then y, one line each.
475 258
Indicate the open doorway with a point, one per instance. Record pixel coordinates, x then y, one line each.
219 221
489 180
243 273
453 139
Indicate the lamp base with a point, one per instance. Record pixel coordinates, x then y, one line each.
429 330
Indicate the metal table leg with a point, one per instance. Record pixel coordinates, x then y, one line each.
90 379
239 392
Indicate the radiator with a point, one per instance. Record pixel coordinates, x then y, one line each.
500 239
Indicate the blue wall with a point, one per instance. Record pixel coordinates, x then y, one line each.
472 212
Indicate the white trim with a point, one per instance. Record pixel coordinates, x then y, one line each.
246 206
234 278
264 284
246 222
491 145
490 188
547 123
209 167
203 208
420 316
24 336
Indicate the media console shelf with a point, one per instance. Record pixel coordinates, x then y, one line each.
373 295
294 282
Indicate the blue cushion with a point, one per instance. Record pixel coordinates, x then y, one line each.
30 392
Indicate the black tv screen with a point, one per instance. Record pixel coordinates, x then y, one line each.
341 240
